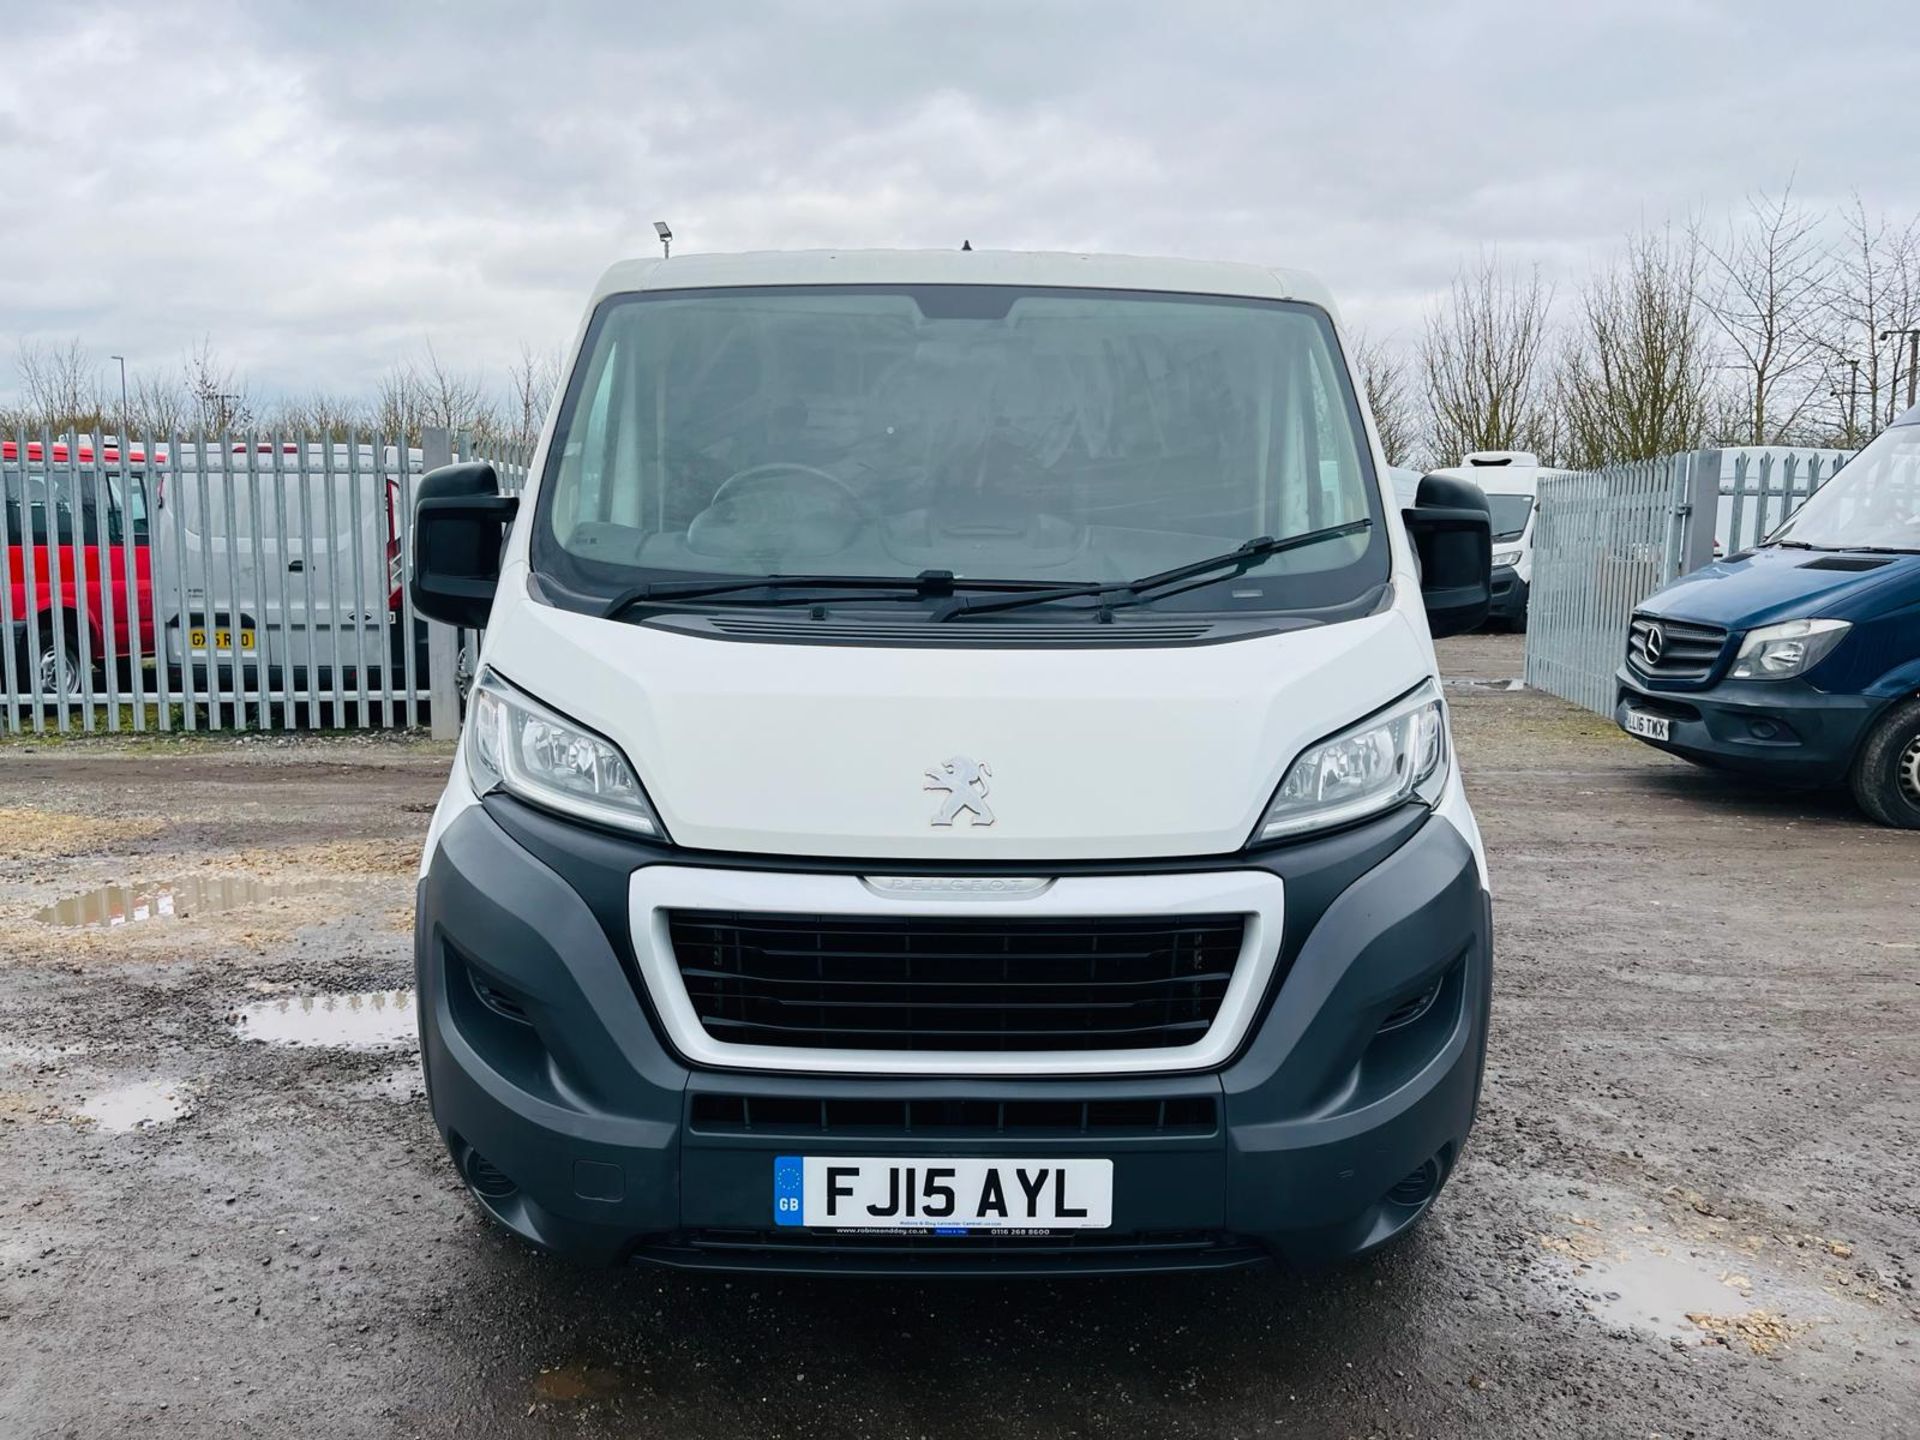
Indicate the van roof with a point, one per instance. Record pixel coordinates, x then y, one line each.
962 267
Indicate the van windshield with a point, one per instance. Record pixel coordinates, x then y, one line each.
999 433
1509 515
1872 502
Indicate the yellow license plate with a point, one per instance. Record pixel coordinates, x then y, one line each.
222 639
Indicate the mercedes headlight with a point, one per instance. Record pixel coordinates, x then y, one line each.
1779 652
1389 757
1505 557
515 744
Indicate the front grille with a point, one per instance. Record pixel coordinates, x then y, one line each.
715 1114
1683 651
981 1253
952 983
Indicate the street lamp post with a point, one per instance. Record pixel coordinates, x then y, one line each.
126 411
1912 335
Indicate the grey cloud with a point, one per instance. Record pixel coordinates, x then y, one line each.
320 187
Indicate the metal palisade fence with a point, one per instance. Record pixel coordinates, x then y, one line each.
1605 540
244 582
1760 488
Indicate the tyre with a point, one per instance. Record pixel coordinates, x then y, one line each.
57 665
1886 777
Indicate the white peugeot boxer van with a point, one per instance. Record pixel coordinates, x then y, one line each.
1511 480
958 780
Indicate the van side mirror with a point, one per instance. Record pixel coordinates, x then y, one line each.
459 527
1451 532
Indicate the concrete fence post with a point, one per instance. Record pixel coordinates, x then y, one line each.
443 641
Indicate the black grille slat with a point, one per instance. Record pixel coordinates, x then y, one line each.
908 1032
800 1251
960 1007
692 973
787 1115
835 1242
955 982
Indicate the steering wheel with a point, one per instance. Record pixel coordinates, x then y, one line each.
779 509
742 480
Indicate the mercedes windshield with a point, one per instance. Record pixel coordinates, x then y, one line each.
996 436
1872 502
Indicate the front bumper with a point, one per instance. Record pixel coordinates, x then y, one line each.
1783 730
1510 592
582 1131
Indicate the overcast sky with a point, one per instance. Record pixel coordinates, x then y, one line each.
321 188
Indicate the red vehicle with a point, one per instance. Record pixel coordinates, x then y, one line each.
68 586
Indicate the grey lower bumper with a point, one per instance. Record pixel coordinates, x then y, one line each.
1785 731
582 1132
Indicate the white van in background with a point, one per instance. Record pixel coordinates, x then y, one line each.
303 596
1510 479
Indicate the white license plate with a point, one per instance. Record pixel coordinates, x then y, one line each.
1650 727
941 1195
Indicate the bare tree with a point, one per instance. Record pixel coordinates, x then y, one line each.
219 397
161 406
1874 288
1390 396
1483 365
1635 378
320 414
61 384
396 405
534 378
413 395
1767 292
458 402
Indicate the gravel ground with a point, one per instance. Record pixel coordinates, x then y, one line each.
1688 1210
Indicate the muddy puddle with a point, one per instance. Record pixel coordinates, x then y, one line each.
144 1105
362 1020
1663 1293
139 903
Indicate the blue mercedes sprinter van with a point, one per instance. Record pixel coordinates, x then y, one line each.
1799 660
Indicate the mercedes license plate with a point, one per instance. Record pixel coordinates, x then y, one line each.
1648 727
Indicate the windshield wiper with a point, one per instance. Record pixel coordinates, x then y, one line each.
927 585
1134 592
1844 549
941 584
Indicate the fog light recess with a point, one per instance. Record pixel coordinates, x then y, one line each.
1418 1188
484 1178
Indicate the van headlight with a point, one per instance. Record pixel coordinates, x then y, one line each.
1505 557
1779 652
1391 756
514 743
